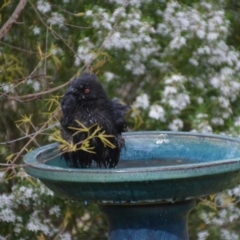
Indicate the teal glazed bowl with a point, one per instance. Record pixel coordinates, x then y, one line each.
154 167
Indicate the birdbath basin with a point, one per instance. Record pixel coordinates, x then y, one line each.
153 188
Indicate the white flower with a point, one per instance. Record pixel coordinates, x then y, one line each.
117 12
36 30
27 192
118 41
169 90
36 225
109 76
65 236
204 128
106 25
163 29
217 121
2 175
222 213
215 82
204 50
204 216
212 36
176 78
236 191
7 215
224 102
142 101
206 5
202 235
233 217
226 234
157 112
137 3
56 50
43 6
193 61
237 122
176 125
35 84
56 19
184 22
84 52
226 90
227 71
54 211
7 87
139 70
89 13
200 33
200 100
226 115
32 227
180 101
177 42
44 190
5 200
202 115
17 228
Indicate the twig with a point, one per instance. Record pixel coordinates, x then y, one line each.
46 48
31 140
18 48
31 134
6 27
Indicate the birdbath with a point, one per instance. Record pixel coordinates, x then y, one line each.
150 193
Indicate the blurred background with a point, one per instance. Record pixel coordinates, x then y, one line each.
176 63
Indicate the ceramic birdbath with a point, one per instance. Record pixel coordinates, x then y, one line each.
150 193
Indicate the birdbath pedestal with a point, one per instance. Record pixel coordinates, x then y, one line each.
150 193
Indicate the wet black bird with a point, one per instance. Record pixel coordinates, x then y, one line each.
86 104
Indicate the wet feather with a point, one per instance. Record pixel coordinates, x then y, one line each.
87 102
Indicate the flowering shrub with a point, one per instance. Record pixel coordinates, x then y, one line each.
32 211
176 62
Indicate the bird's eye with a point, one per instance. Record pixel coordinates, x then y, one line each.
86 90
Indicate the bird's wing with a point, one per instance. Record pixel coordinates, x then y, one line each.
119 110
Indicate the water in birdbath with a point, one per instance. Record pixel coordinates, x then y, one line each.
155 162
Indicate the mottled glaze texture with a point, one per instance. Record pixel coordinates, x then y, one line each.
153 222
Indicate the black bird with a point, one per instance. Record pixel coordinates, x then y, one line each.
86 105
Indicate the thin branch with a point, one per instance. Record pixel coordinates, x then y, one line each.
46 48
34 95
7 26
18 48
32 139
32 134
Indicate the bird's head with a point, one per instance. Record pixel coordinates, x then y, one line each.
87 88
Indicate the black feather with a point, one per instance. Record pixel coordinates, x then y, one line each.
87 102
